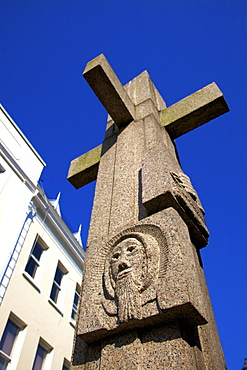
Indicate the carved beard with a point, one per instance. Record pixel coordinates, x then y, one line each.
128 299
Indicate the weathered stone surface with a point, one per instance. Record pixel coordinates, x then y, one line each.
193 111
144 298
169 286
145 96
165 185
109 90
84 169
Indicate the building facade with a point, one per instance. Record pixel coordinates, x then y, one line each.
40 265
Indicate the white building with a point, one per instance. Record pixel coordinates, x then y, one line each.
40 263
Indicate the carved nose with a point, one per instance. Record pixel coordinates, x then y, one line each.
122 266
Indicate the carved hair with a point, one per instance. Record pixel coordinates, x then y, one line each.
154 245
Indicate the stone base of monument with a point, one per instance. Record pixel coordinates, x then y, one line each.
172 312
184 313
174 345
166 346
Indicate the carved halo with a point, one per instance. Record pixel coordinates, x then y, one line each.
146 235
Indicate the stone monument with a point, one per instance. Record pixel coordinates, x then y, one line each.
144 302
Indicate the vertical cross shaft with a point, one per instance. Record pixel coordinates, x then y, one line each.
142 275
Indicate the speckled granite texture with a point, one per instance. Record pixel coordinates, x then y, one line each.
144 303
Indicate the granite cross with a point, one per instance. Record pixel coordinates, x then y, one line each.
144 298
178 119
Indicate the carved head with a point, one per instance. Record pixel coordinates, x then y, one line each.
128 258
133 253
135 259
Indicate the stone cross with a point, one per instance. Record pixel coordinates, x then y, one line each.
144 298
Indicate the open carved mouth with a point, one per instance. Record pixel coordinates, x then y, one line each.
123 272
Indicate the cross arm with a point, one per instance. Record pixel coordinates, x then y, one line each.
84 169
106 85
193 111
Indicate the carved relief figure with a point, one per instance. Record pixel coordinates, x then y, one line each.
127 268
131 268
184 181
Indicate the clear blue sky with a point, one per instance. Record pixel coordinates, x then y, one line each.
184 45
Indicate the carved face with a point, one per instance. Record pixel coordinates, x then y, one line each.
127 258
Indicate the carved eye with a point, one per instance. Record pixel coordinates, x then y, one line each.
131 248
116 256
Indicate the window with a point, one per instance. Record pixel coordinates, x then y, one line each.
7 343
2 169
56 286
41 355
75 304
66 365
34 259
39 358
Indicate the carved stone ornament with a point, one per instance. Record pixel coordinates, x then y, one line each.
184 181
136 258
187 197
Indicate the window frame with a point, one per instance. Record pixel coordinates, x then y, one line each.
2 169
20 325
58 286
66 364
47 348
38 241
75 307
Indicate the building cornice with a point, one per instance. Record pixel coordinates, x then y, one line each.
22 135
12 163
45 210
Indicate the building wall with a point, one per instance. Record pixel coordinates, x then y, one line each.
29 300
22 168
25 215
